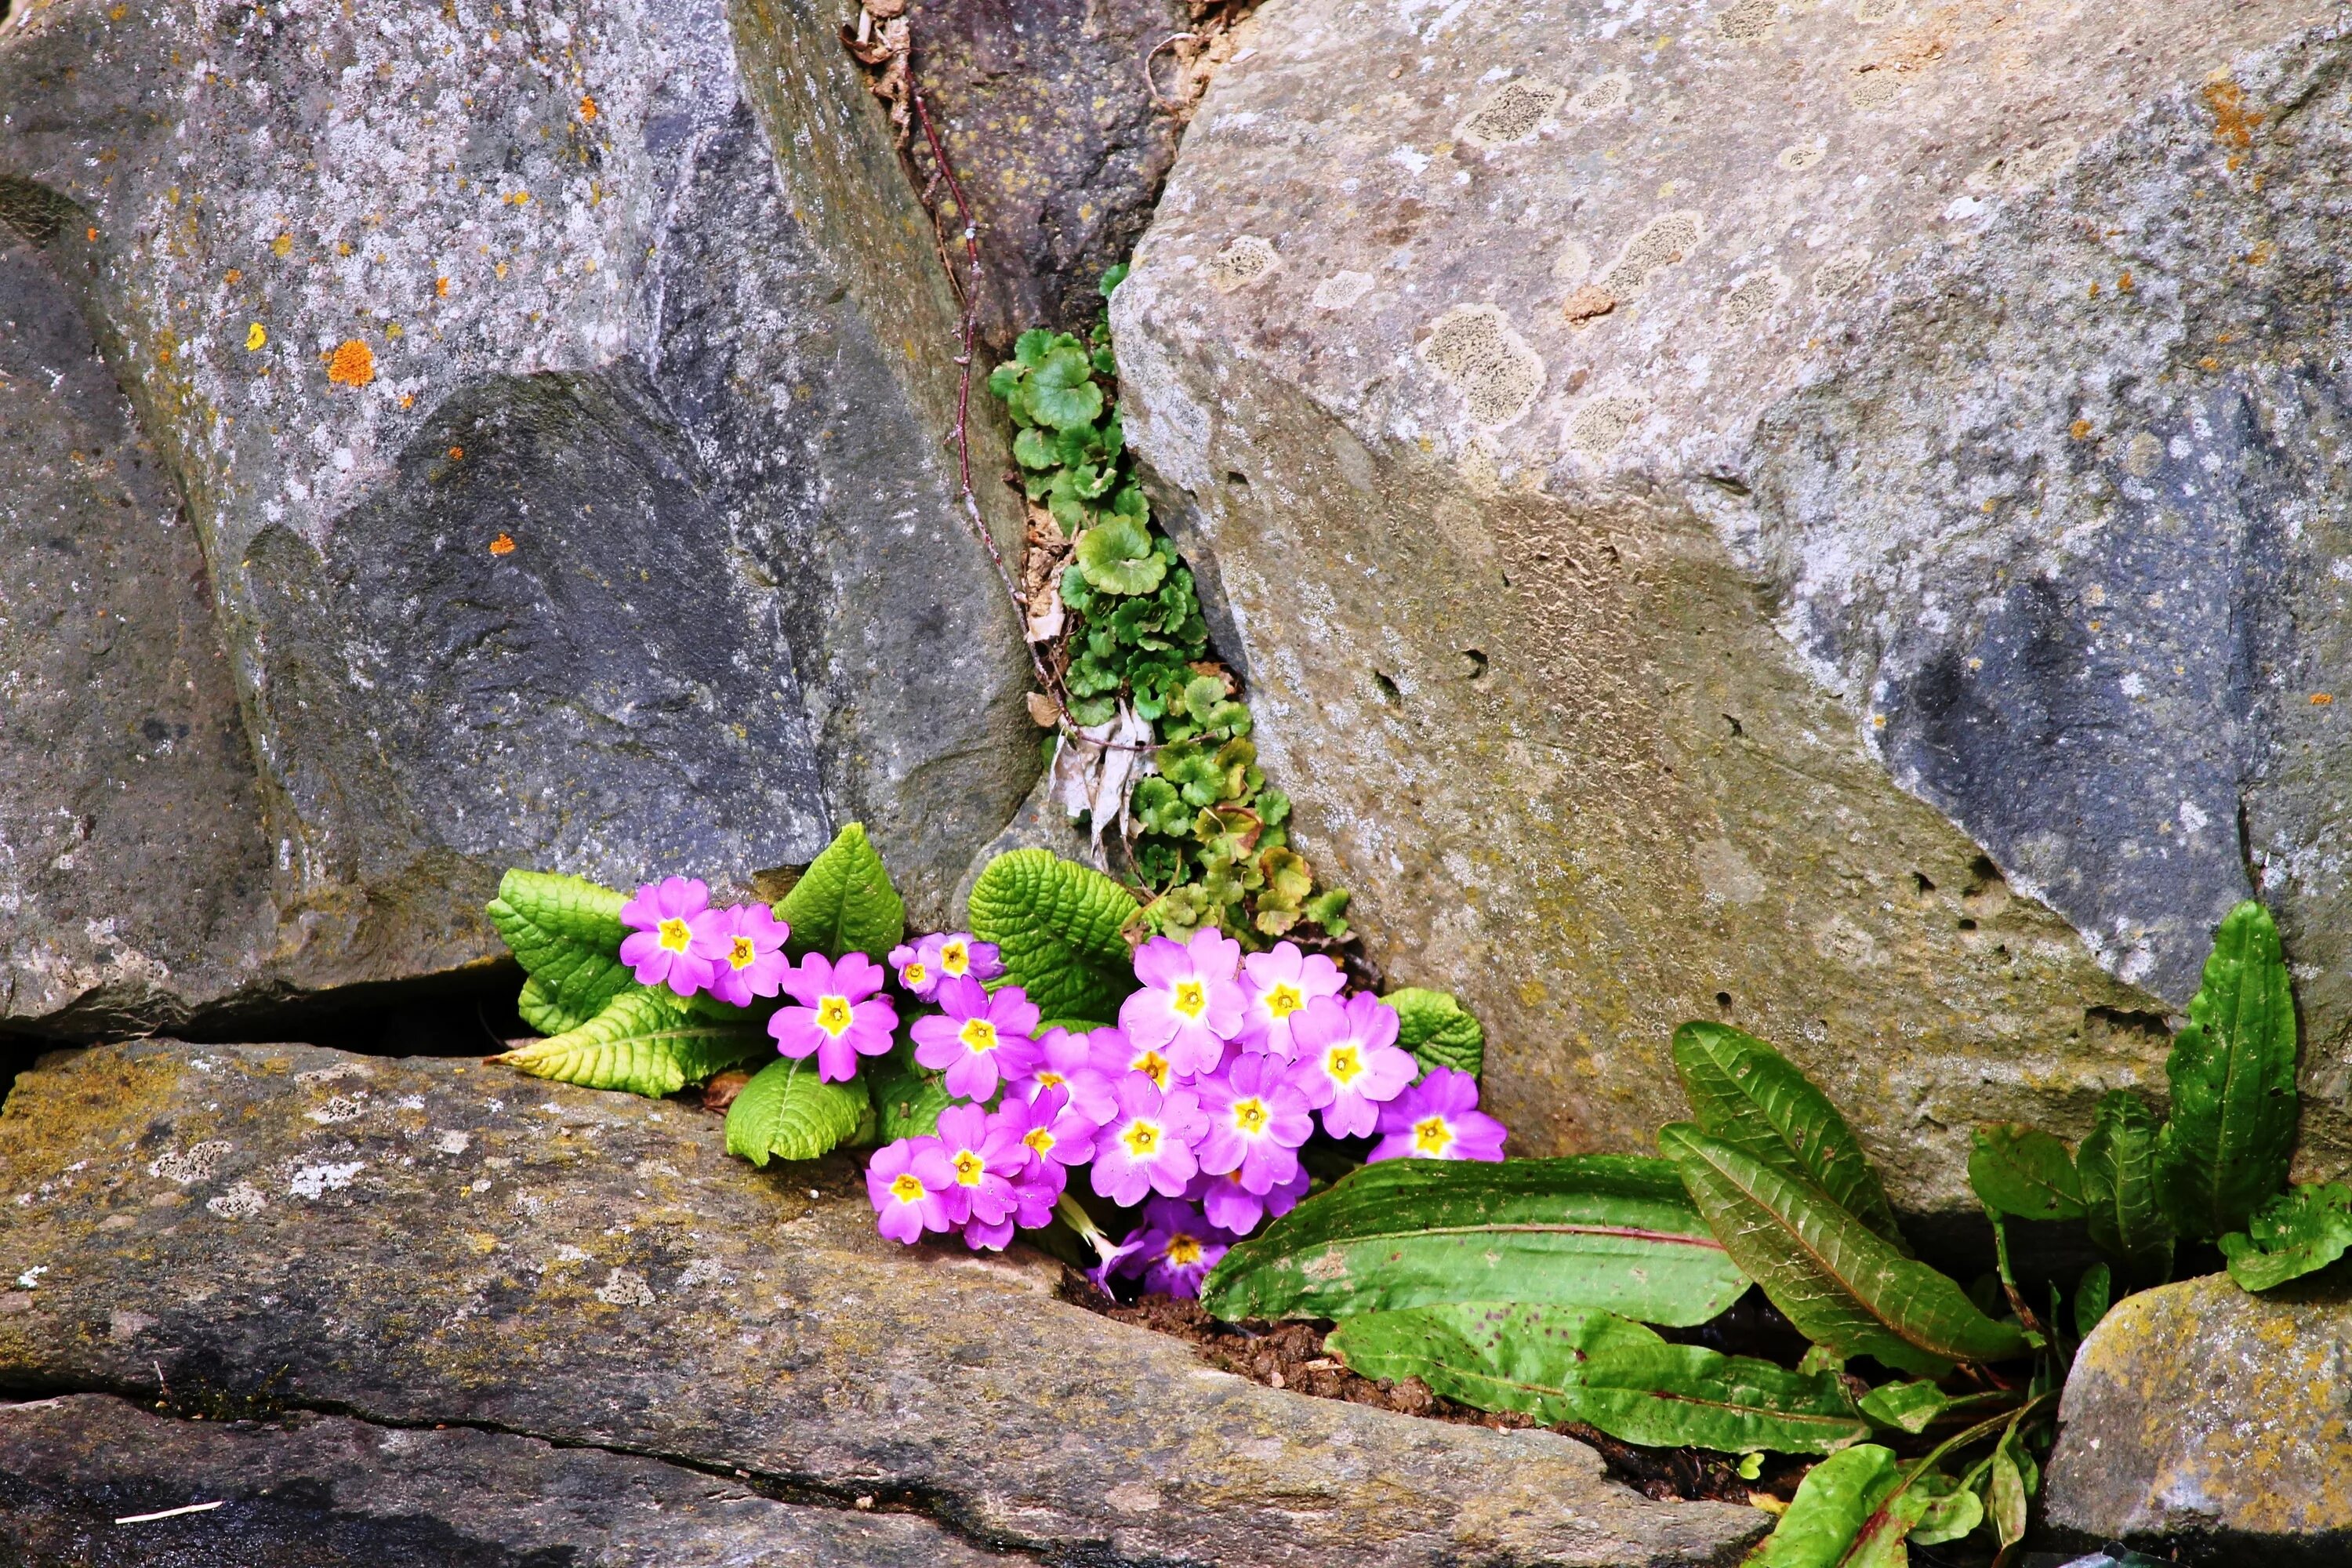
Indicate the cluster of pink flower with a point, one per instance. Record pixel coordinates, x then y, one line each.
1203 1093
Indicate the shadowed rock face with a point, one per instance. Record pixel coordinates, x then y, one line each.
329 1492
561 403
2212 1421
1745 515
423 1241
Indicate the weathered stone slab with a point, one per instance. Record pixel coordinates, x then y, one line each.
2202 1416
1683 484
330 1492
562 402
419 1241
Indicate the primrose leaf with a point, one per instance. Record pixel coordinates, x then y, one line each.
566 934
1614 1232
1837 1280
1058 926
1832 1503
844 902
786 1113
2117 1165
2018 1170
2226 1149
1062 389
1580 1364
1437 1031
1747 1094
1117 557
2300 1232
643 1042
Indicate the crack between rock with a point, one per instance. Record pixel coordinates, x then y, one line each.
790 1490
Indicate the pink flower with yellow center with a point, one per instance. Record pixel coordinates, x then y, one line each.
1233 1207
1056 1136
1275 987
916 973
1189 1005
1174 1248
956 956
1066 1061
839 1018
1348 1063
979 1040
744 947
1115 1056
1257 1119
1147 1145
973 1166
1439 1119
664 919
905 1206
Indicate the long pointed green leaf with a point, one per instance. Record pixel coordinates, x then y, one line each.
1605 1231
566 934
2117 1166
2226 1149
1832 1503
1746 1094
1837 1280
1059 928
2025 1173
844 902
1577 1363
2300 1232
643 1042
787 1112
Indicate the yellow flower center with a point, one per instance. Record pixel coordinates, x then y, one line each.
978 1035
954 958
914 974
1343 1063
1284 1000
1153 1066
833 1015
1249 1117
740 953
907 1187
1049 1078
1142 1139
969 1168
1430 1135
1039 1139
1184 1250
675 936
1191 998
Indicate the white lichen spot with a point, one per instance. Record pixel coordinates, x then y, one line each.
1475 350
1664 241
1841 273
190 1165
1748 20
625 1288
315 1181
1245 261
1803 155
341 1107
1511 114
1573 265
31 1277
242 1201
1342 290
1602 95
1877 90
452 1141
1751 300
1599 425
328 1075
2191 818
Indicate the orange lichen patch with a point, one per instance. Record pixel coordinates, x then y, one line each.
2322 698
587 107
2234 123
408 400
2260 254
457 454
255 336
282 246
500 269
2209 363
441 287
503 545
234 276
2080 430
93 237
353 364
2123 285
2094 290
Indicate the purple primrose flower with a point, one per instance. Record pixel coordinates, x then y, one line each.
957 956
1189 1005
905 1206
1439 1119
665 918
981 1039
1173 1250
840 1018
1257 1119
1275 986
743 945
1066 1061
1233 1207
1349 1064
973 1165
1147 1145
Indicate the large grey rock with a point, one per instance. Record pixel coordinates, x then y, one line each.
562 403
421 1241
132 861
2205 1419
1746 511
330 1492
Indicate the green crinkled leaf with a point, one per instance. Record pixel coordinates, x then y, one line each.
2023 1173
844 902
1832 1503
2117 1166
644 1042
1058 926
1117 557
1436 1030
1060 389
566 934
1836 1278
1580 1364
786 1113
1747 1094
1613 1232
2226 1149
1033 448
2300 1232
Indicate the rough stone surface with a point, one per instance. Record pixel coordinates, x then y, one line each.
130 847
2200 1417
330 1492
418 1241
560 400
1683 484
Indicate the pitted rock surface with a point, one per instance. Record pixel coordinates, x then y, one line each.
562 401
329 1492
418 1241
1684 483
2203 1419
